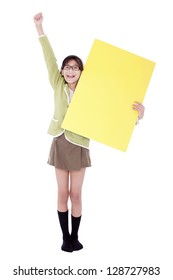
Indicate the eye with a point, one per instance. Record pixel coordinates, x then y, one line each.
75 67
67 67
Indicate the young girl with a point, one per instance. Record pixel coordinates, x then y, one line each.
69 152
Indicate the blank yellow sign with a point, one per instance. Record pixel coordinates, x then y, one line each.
101 108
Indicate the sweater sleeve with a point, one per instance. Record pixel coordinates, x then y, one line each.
50 60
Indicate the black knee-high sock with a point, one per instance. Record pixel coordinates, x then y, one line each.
74 234
63 219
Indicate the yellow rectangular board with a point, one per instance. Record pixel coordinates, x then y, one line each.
101 108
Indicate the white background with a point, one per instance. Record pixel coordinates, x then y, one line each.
127 200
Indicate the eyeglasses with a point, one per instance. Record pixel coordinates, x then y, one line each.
74 67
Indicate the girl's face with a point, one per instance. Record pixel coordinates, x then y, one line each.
71 72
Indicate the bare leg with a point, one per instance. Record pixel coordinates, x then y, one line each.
76 181
62 177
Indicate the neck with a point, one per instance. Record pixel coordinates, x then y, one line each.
72 86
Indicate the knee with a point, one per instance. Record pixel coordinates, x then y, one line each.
75 197
63 197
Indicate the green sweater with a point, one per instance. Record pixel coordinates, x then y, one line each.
61 97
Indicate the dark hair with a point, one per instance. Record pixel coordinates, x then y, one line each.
72 57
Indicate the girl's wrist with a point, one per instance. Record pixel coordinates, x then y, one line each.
40 30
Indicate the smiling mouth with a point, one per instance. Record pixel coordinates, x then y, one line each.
70 77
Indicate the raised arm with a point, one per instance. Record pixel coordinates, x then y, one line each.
38 20
50 59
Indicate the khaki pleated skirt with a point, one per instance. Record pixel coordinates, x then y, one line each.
68 156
